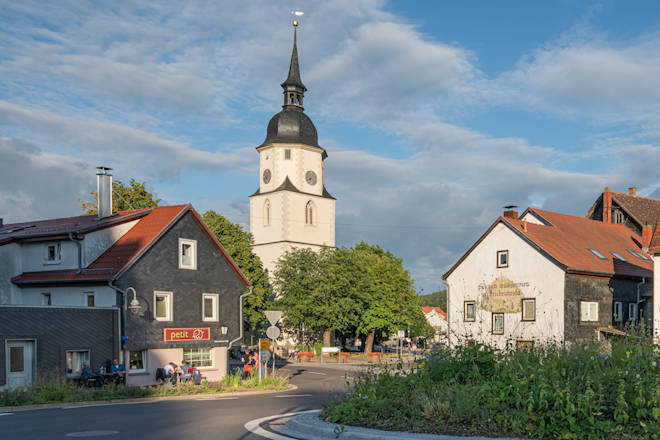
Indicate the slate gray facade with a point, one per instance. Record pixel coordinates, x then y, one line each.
58 329
158 270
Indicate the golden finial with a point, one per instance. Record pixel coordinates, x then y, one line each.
296 14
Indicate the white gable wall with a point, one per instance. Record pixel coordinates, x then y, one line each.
535 275
97 242
656 298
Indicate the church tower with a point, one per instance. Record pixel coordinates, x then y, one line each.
291 208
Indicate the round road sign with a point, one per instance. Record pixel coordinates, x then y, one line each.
273 332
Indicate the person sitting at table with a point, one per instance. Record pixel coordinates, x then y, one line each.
171 372
88 374
183 369
118 372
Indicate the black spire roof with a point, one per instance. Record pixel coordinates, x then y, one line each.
294 70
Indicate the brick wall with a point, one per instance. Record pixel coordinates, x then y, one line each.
57 329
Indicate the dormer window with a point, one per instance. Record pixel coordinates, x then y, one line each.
618 217
53 253
618 256
187 254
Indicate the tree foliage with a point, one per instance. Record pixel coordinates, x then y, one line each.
364 291
238 244
124 197
435 299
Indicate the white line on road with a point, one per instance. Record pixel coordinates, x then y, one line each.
253 425
6 414
219 398
314 372
108 404
294 395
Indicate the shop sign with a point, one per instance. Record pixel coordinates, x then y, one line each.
502 296
187 334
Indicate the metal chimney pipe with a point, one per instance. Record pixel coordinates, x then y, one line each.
104 188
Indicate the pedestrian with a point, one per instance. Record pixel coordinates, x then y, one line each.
247 365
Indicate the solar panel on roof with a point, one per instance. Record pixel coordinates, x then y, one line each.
598 254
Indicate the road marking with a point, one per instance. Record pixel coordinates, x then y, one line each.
6 414
254 427
108 404
294 395
314 372
91 433
218 398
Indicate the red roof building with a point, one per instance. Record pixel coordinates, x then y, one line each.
546 276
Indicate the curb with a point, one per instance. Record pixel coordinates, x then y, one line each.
310 426
82 403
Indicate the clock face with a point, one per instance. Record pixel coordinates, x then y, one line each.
266 176
310 177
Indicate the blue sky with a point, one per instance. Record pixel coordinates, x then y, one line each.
435 114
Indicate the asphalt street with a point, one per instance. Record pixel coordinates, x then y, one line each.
204 418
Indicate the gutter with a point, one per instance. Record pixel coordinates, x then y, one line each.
122 319
76 241
240 327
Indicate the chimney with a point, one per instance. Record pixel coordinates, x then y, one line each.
632 191
647 235
511 213
524 226
104 188
607 205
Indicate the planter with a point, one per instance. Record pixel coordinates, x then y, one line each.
305 356
374 357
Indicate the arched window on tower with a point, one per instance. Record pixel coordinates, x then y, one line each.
309 213
267 213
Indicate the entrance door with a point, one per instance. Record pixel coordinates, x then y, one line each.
20 363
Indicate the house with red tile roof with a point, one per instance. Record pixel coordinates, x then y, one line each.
437 318
146 286
654 296
548 277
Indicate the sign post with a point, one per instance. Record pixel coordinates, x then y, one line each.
273 332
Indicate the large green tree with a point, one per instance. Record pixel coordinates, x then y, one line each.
320 291
124 197
238 244
393 302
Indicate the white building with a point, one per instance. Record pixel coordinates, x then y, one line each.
547 277
291 208
437 318
654 249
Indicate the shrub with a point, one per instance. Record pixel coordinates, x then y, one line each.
568 392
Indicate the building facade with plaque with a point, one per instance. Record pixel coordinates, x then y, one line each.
146 286
548 277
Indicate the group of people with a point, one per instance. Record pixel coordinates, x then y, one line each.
176 373
250 359
117 374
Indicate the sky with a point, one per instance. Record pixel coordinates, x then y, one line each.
434 114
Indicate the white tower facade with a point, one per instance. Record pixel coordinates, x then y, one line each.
291 208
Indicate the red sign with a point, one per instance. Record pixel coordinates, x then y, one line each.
187 334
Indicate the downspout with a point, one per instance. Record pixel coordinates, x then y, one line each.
77 241
240 311
638 300
122 323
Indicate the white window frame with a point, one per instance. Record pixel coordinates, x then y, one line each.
504 252
86 299
493 316
73 374
58 253
632 311
144 362
193 244
48 296
618 311
528 301
215 298
170 301
587 306
188 358
474 308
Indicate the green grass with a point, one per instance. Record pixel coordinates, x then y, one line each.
581 391
51 391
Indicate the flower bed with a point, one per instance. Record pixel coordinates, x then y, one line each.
547 392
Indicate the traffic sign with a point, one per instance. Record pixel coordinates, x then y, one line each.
264 356
273 316
273 332
264 344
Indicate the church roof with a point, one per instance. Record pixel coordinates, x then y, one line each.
287 185
291 126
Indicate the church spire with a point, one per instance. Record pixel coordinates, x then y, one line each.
294 89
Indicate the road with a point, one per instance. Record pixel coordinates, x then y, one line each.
217 418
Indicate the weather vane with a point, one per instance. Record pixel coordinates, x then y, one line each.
295 15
